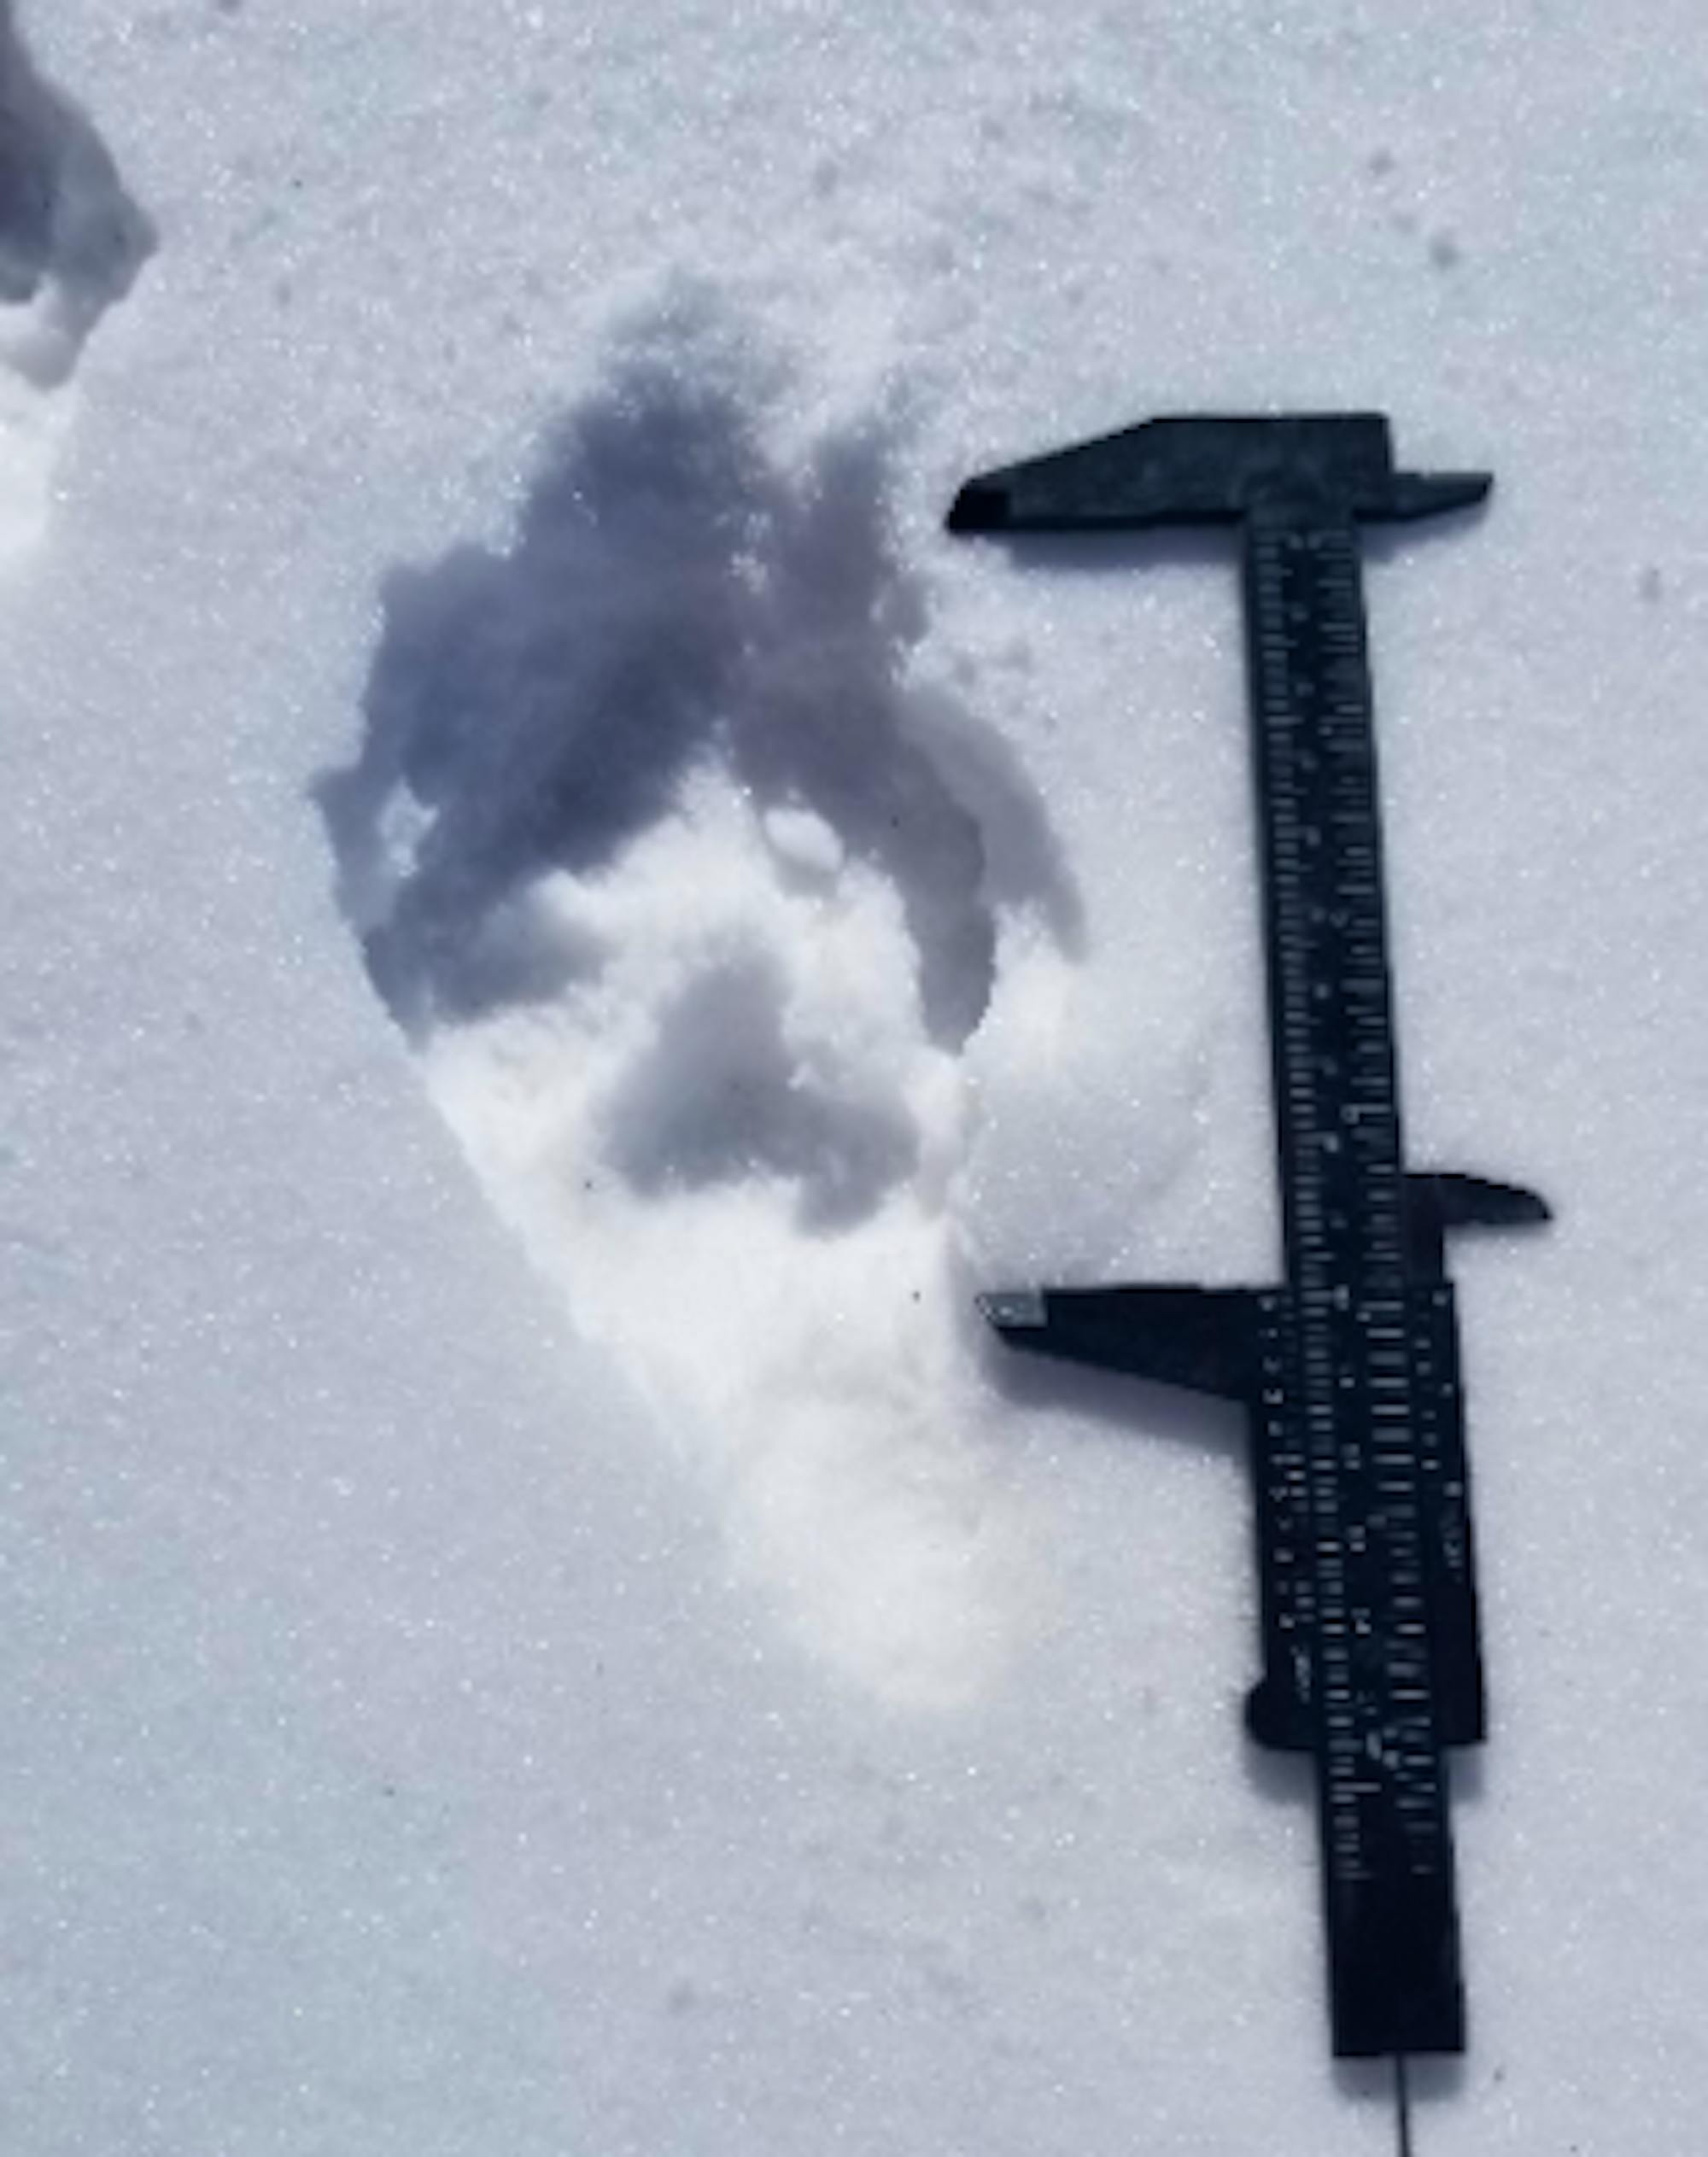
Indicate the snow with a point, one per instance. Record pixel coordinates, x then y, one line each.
558 930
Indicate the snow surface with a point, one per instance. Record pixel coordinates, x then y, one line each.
557 929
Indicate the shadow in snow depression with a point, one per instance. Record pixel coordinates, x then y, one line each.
72 239
719 1095
690 894
676 596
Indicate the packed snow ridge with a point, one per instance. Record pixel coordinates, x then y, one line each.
694 903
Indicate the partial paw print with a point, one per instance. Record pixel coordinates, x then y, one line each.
72 242
691 898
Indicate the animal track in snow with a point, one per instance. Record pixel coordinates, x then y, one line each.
72 241
690 898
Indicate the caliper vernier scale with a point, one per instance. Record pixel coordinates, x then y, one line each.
1349 1368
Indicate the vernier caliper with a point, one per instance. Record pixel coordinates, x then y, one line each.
1349 1366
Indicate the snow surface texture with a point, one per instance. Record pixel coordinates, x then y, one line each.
409 1752
693 902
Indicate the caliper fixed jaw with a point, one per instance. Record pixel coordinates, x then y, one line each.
1212 470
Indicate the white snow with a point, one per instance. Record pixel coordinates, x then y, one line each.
557 930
